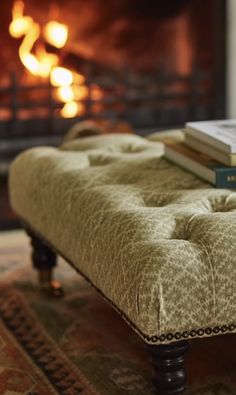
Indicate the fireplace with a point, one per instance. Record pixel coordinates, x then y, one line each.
154 65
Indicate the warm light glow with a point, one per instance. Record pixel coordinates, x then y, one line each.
41 63
56 34
61 76
46 62
96 93
20 24
34 57
81 109
69 110
30 61
81 92
65 94
18 9
79 78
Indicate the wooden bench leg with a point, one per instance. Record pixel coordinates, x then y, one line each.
169 376
44 260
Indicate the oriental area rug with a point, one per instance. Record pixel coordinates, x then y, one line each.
78 344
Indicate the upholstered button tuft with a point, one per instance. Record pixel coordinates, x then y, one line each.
133 148
180 232
220 205
159 199
100 160
219 209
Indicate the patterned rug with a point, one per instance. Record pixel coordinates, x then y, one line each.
79 344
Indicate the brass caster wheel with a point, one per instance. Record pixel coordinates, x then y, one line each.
56 289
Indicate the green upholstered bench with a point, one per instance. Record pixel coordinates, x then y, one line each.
157 242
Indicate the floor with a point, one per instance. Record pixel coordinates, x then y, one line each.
8 219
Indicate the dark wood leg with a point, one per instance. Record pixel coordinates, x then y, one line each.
169 377
44 261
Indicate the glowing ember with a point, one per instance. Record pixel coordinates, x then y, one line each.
56 34
35 58
46 62
30 61
65 94
79 79
81 92
69 110
96 93
20 24
60 76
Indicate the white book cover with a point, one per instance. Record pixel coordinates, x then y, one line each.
218 133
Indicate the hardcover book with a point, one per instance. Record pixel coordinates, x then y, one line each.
221 156
202 165
219 134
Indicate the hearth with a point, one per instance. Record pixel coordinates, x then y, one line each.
155 65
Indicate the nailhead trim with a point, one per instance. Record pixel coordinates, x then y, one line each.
193 333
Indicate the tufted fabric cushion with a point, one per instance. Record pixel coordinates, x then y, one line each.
158 242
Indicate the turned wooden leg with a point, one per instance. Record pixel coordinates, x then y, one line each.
44 261
169 377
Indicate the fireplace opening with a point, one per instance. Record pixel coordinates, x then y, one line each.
154 65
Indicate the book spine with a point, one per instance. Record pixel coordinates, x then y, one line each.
209 140
190 165
225 178
218 155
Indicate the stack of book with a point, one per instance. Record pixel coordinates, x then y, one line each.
209 151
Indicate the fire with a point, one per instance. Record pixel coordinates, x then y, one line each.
60 76
56 34
46 61
43 64
30 61
20 24
72 109
40 64
69 110
69 91
65 94
79 78
96 93
81 92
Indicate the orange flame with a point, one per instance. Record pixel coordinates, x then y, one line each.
20 24
60 76
65 94
46 61
69 110
30 61
56 34
81 92
43 64
72 109
96 93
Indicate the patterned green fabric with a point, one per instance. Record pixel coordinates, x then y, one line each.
156 240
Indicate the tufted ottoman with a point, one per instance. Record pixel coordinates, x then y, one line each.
158 243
